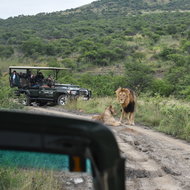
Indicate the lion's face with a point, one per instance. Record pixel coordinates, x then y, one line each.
112 110
123 96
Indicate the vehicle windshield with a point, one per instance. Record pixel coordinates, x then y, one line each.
32 170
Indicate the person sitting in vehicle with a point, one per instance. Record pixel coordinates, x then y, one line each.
32 80
15 79
49 81
23 80
39 78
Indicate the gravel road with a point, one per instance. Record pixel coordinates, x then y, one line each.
154 161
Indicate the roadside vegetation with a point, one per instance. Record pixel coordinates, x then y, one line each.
7 97
166 115
23 170
14 178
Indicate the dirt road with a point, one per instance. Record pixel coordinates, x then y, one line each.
154 161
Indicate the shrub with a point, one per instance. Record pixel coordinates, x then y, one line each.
6 51
102 85
138 76
161 87
186 93
7 97
176 121
164 54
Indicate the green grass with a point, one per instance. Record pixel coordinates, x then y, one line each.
176 121
24 179
166 115
94 105
23 170
7 97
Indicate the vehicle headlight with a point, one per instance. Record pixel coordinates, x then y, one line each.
73 92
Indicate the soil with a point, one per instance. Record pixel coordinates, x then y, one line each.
154 161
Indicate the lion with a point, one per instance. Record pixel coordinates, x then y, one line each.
107 117
127 100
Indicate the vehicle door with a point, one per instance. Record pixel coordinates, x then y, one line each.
46 92
34 92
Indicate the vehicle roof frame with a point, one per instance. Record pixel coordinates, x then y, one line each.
27 68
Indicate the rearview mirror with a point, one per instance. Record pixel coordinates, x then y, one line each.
79 140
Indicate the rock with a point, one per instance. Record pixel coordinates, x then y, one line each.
78 180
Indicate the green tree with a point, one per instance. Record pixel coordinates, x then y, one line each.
138 76
33 46
6 51
186 46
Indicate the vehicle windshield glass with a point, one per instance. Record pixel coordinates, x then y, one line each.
32 170
21 159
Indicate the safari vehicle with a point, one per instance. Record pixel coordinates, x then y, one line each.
34 87
25 139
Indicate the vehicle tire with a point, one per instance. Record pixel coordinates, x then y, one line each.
25 100
62 100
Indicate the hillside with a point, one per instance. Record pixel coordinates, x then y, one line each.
148 40
125 7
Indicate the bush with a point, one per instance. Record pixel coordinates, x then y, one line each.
161 87
6 51
7 97
186 93
138 76
166 52
102 85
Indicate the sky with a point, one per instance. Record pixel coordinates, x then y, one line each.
11 8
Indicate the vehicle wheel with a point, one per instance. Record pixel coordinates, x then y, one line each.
62 100
25 100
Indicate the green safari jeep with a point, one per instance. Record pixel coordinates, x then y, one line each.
36 88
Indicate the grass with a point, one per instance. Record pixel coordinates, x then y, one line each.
94 105
31 171
166 115
176 121
24 179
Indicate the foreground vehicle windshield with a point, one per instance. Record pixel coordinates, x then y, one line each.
30 170
31 144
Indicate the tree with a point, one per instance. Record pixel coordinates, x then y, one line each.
6 51
33 46
138 76
186 46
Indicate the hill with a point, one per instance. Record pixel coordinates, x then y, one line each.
125 7
148 40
